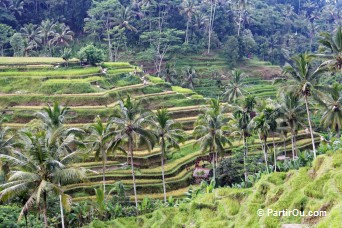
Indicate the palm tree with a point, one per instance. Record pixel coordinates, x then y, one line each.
40 167
188 8
241 8
261 126
210 131
189 78
124 17
7 144
30 33
242 119
234 89
334 44
271 115
46 31
292 112
304 82
169 73
62 35
130 122
168 133
66 55
100 141
332 103
53 116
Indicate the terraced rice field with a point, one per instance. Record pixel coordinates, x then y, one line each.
37 81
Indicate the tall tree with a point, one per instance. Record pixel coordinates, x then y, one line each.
334 44
189 7
234 89
30 33
100 140
41 167
131 123
210 131
304 82
292 112
168 133
332 103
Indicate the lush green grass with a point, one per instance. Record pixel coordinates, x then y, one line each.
155 80
309 189
31 60
60 72
179 89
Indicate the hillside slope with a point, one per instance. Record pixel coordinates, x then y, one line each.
310 189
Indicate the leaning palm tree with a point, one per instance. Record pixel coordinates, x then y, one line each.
334 44
304 82
40 168
131 123
100 141
332 103
292 112
210 131
234 89
168 133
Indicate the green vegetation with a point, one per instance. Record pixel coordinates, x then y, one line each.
169 113
308 189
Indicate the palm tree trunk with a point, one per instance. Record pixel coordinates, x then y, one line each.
45 209
162 162
61 207
130 145
265 154
293 146
187 32
104 158
274 154
213 161
310 127
245 157
284 144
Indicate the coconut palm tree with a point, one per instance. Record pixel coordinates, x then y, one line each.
168 133
261 126
46 31
40 167
189 78
188 8
210 131
234 89
7 144
53 116
292 112
241 122
100 140
304 82
62 35
30 33
332 103
271 115
334 44
131 123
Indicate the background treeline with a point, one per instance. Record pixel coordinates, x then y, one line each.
152 30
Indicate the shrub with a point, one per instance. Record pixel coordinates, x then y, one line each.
92 55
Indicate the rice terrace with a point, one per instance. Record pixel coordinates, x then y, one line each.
187 113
